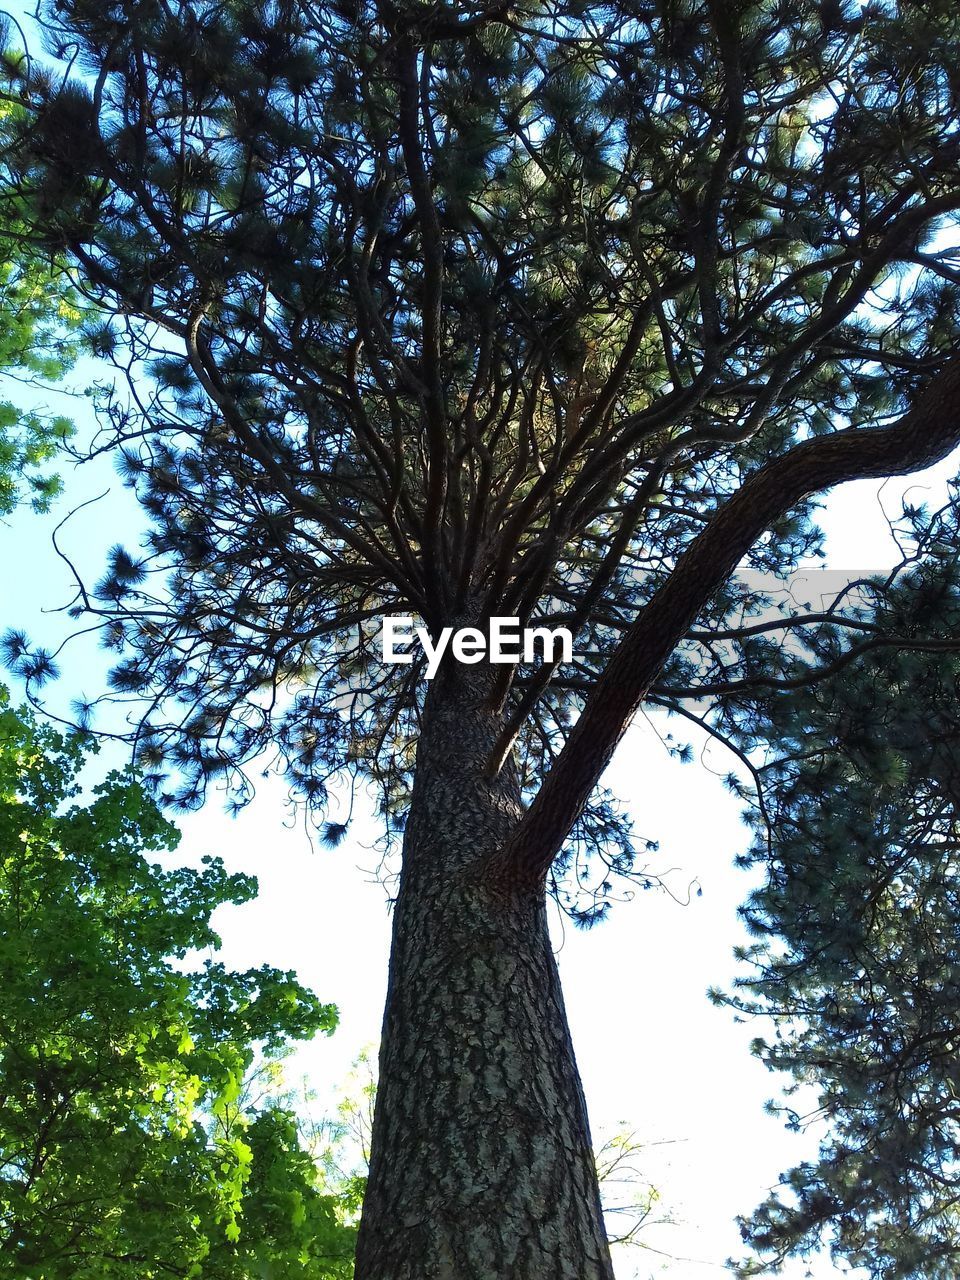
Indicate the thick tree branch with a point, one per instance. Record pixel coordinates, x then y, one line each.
927 433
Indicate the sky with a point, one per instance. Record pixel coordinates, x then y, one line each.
656 1058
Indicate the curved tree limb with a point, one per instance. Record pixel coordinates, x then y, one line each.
927 433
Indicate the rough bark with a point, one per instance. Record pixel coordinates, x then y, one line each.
482 1165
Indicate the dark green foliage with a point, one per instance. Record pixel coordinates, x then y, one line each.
127 1145
858 928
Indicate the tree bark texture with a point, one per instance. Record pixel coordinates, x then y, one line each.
482 1165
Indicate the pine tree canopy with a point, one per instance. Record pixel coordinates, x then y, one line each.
562 312
468 315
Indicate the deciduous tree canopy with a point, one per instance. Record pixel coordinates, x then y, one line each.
127 1148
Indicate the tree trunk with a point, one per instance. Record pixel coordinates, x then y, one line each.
482 1166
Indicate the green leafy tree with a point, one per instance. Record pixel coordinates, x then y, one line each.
557 312
125 1147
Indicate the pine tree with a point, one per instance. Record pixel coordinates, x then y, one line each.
553 312
857 929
